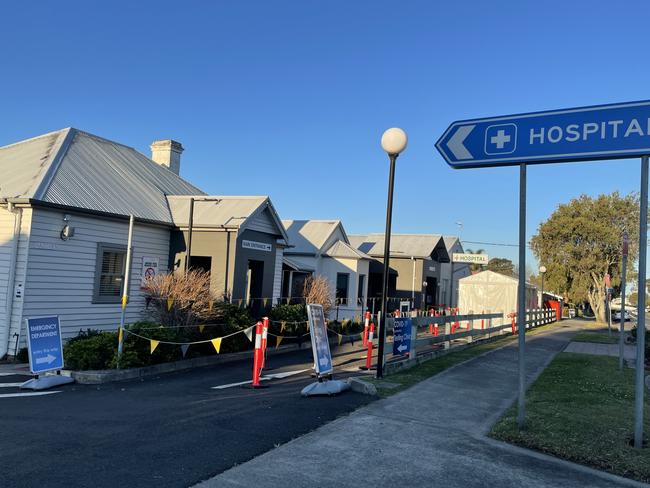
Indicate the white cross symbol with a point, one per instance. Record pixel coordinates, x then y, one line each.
500 139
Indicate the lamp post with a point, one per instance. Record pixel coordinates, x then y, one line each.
393 141
542 271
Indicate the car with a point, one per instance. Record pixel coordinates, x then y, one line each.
616 315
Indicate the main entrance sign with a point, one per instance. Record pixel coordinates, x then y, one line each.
579 134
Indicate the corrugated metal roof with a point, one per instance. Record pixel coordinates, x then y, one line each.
297 265
80 170
217 211
309 236
342 249
23 164
401 245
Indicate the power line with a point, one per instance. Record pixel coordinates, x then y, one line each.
492 244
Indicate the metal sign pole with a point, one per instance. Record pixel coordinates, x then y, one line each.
521 298
451 285
621 347
188 256
125 292
640 330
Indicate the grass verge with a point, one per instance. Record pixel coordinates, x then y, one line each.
403 379
581 408
598 337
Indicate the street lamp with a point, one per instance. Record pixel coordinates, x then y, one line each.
542 271
393 141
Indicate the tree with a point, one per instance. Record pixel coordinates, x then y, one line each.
582 241
475 267
503 266
317 289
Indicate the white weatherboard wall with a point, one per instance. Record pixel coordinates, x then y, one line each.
6 251
277 279
330 267
61 274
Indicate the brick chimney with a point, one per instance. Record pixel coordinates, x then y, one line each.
167 153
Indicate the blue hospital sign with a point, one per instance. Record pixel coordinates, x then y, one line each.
44 343
578 134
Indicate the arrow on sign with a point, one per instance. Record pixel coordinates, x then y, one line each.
402 348
456 145
49 359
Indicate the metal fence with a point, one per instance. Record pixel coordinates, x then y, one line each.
446 332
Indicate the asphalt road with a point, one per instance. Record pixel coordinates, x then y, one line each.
170 431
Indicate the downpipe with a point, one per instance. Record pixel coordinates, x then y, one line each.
11 280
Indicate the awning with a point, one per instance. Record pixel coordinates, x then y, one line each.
297 265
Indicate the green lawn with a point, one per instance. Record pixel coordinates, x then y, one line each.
581 408
599 337
404 379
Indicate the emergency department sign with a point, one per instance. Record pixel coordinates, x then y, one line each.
579 134
319 341
44 344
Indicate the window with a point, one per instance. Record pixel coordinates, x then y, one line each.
201 263
109 273
362 279
342 280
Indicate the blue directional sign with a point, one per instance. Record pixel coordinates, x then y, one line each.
319 341
402 336
44 343
579 134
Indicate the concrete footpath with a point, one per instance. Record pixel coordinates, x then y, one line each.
433 434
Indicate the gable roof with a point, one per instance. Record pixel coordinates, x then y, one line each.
422 246
342 249
309 236
227 212
74 169
450 242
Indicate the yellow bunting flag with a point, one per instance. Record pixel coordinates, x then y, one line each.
265 302
217 344
283 325
340 338
125 300
153 344
278 340
120 338
170 304
249 333
201 327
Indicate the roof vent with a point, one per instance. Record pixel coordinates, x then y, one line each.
167 153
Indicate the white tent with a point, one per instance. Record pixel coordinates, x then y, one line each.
492 292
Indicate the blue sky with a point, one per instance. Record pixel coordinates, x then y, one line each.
289 98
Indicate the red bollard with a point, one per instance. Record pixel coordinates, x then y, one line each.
366 326
257 357
514 323
482 320
265 335
371 336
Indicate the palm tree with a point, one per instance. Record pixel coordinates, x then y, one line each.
474 267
